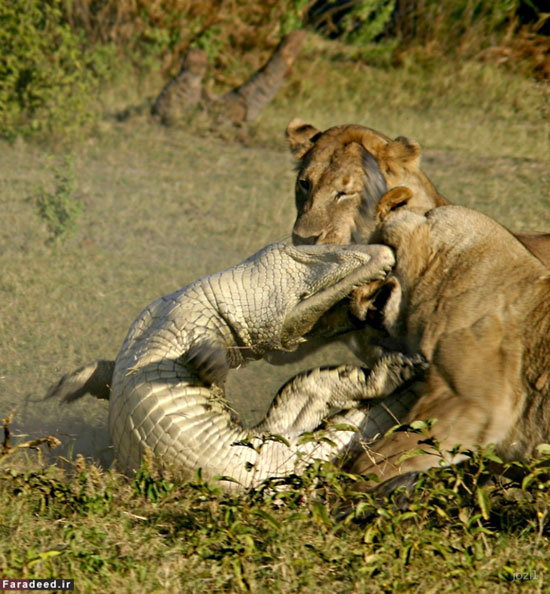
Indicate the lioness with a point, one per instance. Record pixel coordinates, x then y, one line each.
470 298
345 170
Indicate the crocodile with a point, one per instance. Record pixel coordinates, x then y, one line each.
165 388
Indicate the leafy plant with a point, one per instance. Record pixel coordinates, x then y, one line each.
462 26
284 532
366 21
47 73
294 15
148 484
61 207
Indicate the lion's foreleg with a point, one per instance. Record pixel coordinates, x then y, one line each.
459 419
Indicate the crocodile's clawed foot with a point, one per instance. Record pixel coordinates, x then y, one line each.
391 371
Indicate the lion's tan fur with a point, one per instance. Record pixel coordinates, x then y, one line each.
332 163
476 304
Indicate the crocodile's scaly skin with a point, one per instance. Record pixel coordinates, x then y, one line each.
166 393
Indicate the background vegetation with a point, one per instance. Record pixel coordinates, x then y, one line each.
55 55
103 210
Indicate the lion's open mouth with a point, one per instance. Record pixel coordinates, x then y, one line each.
337 320
340 319
375 312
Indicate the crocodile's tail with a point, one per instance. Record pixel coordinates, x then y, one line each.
94 378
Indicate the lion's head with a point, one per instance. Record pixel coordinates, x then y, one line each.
342 174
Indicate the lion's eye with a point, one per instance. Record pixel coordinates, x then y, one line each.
304 185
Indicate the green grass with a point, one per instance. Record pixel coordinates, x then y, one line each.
163 207
112 534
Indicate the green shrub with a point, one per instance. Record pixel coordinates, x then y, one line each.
364 29
462 27
366 21
237 36
47 76
61 207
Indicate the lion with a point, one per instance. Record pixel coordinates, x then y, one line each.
475 303
345 170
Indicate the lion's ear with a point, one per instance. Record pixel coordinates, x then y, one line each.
299 135
391 201
404 150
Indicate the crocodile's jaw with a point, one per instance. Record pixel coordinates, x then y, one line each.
301 318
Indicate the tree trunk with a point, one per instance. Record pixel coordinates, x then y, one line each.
247 101
184 92
244 103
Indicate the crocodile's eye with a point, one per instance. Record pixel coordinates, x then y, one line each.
304 185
